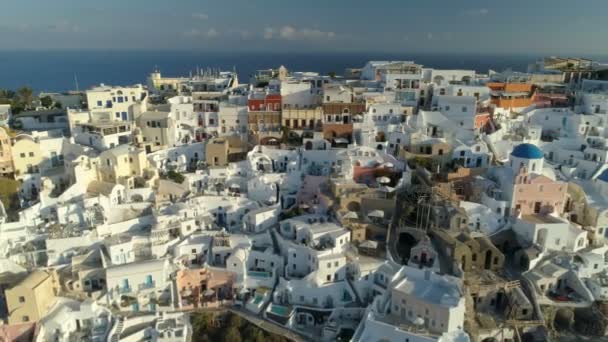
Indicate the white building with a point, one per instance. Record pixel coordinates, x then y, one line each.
117 103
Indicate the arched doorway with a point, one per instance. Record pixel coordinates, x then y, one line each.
404 246
353 206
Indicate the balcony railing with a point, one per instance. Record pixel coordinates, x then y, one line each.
123 290
146 286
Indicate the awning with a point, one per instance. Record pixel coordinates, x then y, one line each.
369 244
376 213
243 291
340 141
383 180
387 189
351 215
208 292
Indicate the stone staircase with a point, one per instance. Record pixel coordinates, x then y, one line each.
118 330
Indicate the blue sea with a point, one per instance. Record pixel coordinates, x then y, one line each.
57 70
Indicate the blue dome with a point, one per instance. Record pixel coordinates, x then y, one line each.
603 176
527 151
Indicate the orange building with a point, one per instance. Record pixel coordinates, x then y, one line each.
511 95
204 287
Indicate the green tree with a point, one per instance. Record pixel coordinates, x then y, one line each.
58 105
176 177
232 335
332 74
202 325
235 321
46 101
26 96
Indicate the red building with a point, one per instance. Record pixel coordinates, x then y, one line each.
266 103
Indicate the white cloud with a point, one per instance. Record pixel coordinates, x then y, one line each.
196 33
200 16
292 33
477 12
241 33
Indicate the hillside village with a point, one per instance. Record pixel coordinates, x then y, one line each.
391 202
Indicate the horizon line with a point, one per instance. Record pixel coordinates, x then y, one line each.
311 52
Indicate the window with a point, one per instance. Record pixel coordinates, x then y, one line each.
464 109
329 265
25 318
447 108
31 154
336 263
21 299
22 155
99 104
329 277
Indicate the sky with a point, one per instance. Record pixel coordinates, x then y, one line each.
415 26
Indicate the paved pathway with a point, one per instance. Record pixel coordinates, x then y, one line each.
269 326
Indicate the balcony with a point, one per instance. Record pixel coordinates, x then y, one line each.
147 285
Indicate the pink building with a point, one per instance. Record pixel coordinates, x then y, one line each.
204 287
369 171
538 194
310 190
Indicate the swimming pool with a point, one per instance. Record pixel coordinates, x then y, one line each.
280 310
258 299
259 274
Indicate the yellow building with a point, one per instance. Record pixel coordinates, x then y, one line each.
31 299
303 119
26 155
122 165
6 155
221 151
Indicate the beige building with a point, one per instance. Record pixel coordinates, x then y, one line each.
31 299
26 154
303 118
221 151
122 165
156 131
6 156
